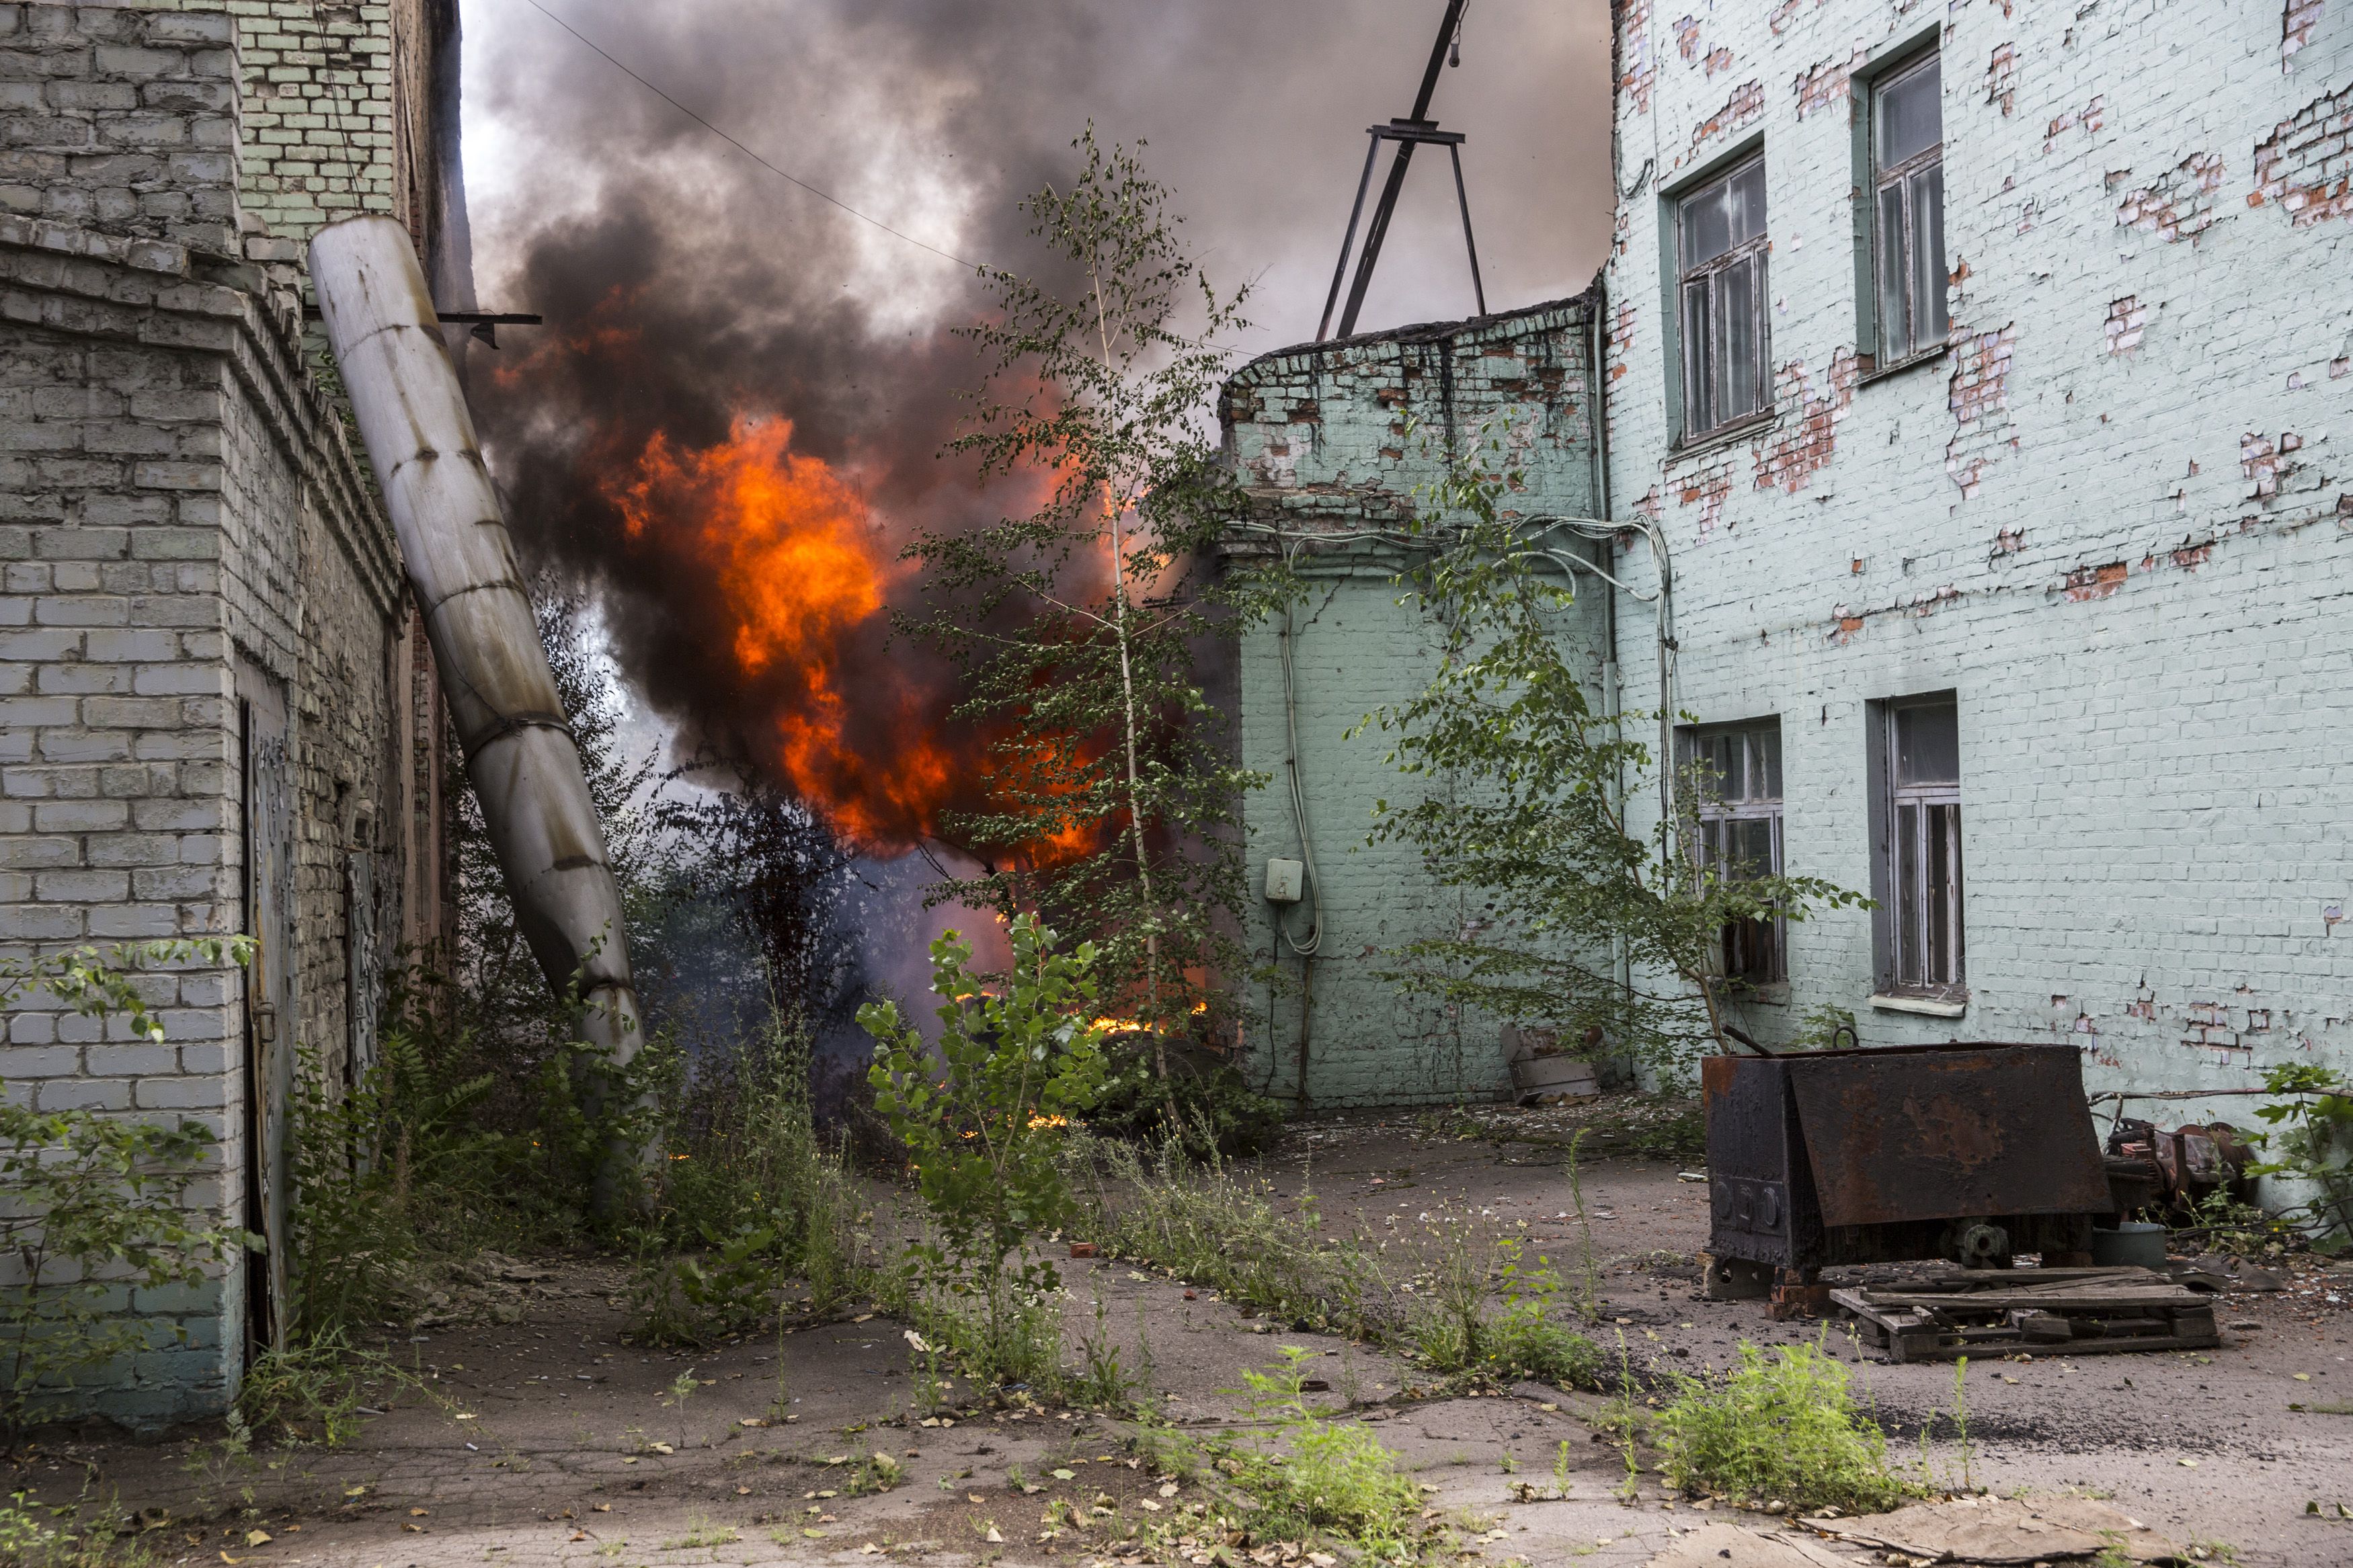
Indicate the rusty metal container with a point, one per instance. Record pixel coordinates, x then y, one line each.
1969 1151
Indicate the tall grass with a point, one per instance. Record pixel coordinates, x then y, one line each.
1198 1216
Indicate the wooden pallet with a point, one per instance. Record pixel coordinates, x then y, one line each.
2070 1312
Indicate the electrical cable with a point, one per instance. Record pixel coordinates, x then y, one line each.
1314 943
731 141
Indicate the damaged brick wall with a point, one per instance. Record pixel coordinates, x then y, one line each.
2109 515
1337 439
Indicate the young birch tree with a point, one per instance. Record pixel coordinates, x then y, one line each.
1077 628
1524 808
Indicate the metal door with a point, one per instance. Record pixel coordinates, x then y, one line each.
268 998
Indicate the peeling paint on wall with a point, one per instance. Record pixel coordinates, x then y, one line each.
1807 434
2127 317
2304 165
2179 204
1978 397
2296 21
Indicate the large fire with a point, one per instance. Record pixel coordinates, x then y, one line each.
799 568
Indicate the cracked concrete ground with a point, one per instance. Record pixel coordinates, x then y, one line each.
550 1439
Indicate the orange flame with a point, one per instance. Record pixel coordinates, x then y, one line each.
799 566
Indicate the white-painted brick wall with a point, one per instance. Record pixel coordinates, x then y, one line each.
2122 543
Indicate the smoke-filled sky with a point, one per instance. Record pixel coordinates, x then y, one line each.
730 420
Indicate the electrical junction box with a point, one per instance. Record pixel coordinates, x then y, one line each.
1284 881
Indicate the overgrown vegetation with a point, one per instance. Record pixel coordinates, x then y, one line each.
1581 923
1112 799
1779 1426
1306 1472
97 1205
2311 1141
1467 1300
980 1112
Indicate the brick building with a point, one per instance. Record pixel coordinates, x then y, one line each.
1981 367
220 714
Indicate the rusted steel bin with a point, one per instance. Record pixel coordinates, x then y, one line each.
1967 1152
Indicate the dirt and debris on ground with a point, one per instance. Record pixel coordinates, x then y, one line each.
534 1432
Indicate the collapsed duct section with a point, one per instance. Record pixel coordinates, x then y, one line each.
512 728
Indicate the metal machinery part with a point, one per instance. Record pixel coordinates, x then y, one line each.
1967 1152
517 740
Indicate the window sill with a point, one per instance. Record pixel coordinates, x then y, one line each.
1764 993
1925 1007
1725 435
1910 363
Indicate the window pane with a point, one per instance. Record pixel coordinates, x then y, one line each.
1698 410
1927 192
1894 316
1938 915
1707 232
1724 758
1751 847
1764 777
1908 895
1745 198
1735 350
1927 745
1911 119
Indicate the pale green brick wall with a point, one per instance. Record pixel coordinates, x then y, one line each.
2113 516
1319 437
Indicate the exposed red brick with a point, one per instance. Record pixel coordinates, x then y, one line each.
1687 37
2302 165
1634 63
2179 204
1977 395
2087 582
2001 71
1746 102
2297 18
1826 84
2268 464
2089 119
1806 435
1719 58
2127 317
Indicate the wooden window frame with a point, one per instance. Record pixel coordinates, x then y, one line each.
1923 825
1740 941
1897 310
1698 352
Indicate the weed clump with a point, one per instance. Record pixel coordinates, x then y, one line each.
1778 1426
1300 1473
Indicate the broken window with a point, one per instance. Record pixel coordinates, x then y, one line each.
1720 278
1908 226
1736 774
1924 847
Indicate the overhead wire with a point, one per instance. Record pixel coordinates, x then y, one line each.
732 141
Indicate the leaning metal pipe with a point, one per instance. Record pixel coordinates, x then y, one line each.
512 728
